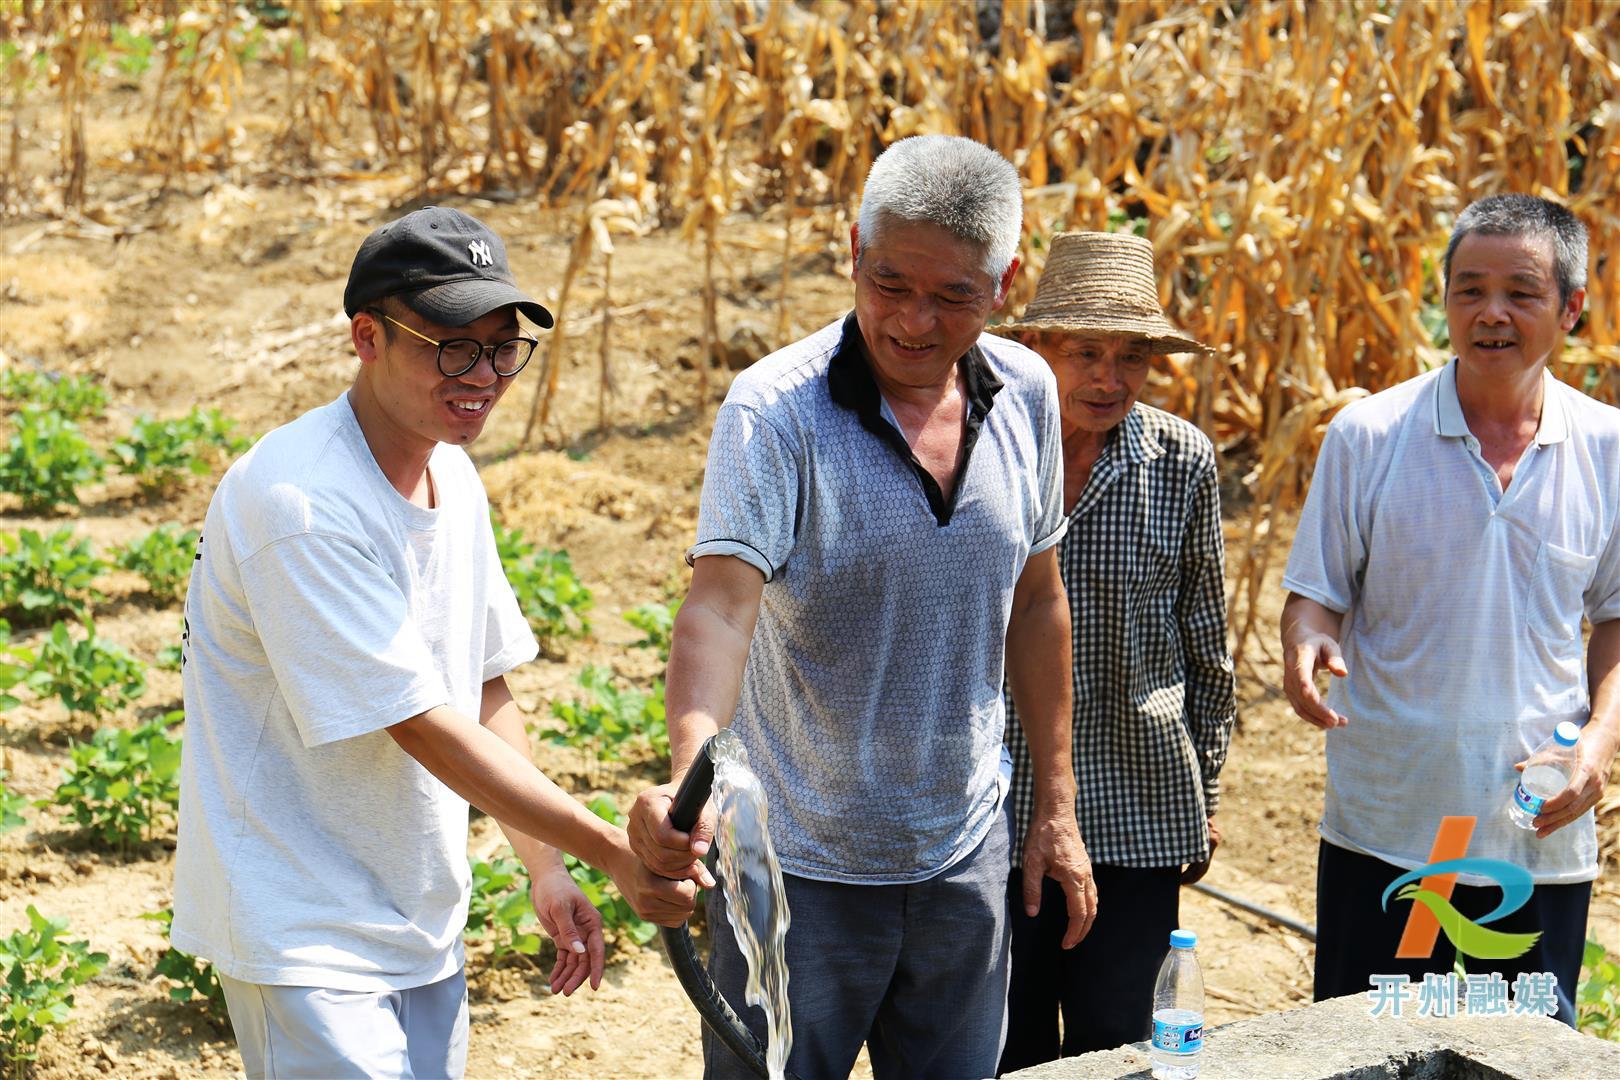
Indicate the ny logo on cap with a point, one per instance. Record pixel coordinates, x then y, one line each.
481 255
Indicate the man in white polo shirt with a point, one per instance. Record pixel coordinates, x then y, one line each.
1458 527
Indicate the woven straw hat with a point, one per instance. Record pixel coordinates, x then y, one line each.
1101 283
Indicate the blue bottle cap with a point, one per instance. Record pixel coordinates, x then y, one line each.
1183 939
1567 733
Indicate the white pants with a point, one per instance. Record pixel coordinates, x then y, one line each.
311 1032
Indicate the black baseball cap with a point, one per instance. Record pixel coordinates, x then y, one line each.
447 266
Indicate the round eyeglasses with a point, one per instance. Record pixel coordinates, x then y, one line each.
457 356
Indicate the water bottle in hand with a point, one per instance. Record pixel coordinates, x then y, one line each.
1546 773
1178 1011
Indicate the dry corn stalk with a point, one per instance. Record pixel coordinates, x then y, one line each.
597 224
711 183
1295 164
609 216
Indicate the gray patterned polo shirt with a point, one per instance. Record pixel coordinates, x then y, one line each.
871 702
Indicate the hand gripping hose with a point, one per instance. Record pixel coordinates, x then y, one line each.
694 977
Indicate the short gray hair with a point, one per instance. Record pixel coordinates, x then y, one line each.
1528 215
962 186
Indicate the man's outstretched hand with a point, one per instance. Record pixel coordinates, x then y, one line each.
575 925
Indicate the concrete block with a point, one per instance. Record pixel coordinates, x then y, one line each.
1339 1039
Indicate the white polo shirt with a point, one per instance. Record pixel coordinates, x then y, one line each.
1463 605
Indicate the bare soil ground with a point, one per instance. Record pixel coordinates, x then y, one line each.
228 294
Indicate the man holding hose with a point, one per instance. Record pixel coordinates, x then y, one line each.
876 545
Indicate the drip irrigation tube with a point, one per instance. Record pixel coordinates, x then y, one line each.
1280 919
694 977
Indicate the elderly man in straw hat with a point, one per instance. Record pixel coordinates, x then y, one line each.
1153 690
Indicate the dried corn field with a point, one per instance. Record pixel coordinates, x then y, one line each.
182 183
1296 165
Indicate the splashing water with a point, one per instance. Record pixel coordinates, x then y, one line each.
756 903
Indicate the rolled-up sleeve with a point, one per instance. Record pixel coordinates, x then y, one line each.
751 488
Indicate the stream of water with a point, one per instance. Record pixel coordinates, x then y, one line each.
756 904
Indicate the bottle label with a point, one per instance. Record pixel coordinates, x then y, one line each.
1530 804
1178 1038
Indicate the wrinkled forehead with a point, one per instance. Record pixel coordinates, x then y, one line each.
1515 254
926 250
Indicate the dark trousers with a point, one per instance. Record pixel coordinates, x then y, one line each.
1103 986
916 972
1356 938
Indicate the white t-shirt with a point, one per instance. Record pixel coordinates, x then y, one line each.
1462 605
324 607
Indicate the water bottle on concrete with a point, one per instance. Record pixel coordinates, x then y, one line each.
1546 773
1178 1011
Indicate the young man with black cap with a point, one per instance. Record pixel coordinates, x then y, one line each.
348 633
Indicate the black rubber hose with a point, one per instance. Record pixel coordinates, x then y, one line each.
1302 929
694 977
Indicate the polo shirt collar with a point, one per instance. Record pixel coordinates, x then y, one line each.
852 386
850 381
1448 414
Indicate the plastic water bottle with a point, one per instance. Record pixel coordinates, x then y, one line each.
1546 773
1178 1011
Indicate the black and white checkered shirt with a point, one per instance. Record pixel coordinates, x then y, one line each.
1154 703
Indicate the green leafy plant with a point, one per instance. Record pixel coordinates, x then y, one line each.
14 669
163 557
124 782
613 718
12 806
500 908
134 51
161 454
71 396
43 577
550 596
197 979
89 675
618 917
1120 221
47 460
171 657
657 625
41 973
1597 1001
